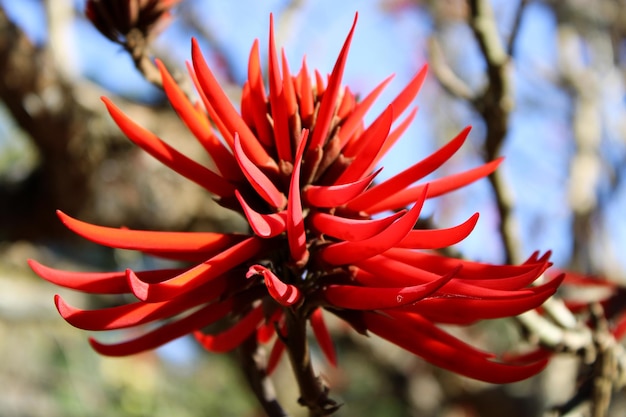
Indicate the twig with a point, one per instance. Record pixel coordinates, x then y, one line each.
445 75
516 26
495 105
136 45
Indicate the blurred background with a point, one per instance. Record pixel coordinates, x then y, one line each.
549 96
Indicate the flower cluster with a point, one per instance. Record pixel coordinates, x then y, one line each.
299 163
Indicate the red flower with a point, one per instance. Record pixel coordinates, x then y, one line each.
115 19
298 163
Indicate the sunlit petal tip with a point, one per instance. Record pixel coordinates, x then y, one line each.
64 309
139 288
327 105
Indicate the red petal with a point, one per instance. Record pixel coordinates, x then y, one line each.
169 156
393 137
230 339
439 238
500 277
227 113
329 99
282 139
306 95
347 103
150 240
452 357
285 294
264 225
350 229
199 125
259 181
267 330
198 275
398 274
138 313
369 145
90 282
343 253
296 234
379 298
355 119
410 175
98 282
336 195
323 336
465 310
258 108
168 332
435 188
277 351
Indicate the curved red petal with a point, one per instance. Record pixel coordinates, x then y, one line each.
505 277
168 332
231 338
368 146
227 113
284 294
436 187
169 156
343 253
329 99
259 181
323 336
453 358
327 196
399 274
89 282
138 313
296 235
408 176
198 275
439 238
199 125
264 225
350 229
355 119
379 298
144 240
466 310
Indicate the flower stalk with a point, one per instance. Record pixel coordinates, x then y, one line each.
313 392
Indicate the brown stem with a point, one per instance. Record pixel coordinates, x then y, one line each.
252 362
313 393
137 46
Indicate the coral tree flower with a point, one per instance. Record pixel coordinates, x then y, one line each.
299 163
